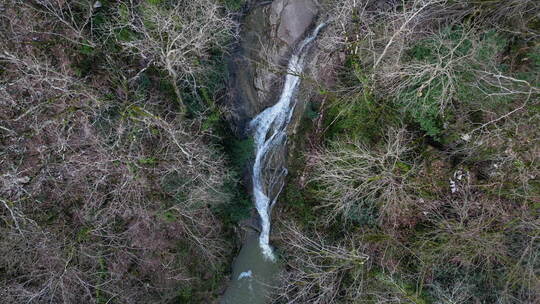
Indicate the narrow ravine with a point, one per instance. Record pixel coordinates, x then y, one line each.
270 132
255 267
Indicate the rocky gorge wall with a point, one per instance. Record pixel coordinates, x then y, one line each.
269 32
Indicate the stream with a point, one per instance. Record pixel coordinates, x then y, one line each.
256 267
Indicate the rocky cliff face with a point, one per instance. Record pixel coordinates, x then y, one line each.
270 31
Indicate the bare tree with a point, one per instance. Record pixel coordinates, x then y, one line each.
105 194
316 269
176 35
357 179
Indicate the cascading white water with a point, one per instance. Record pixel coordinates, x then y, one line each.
270 131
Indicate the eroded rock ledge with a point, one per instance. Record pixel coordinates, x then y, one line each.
270 31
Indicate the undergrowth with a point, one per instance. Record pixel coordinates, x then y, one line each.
428 163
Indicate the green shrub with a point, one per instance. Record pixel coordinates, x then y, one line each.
233 5
238 209
445 72
241 151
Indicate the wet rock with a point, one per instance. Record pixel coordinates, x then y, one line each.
292 19
270 33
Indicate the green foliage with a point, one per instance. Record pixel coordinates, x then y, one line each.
534 54
239 207
102 298
311 113
177 186
83 234
101 17
124 35
452 41
87 60
233 5
86 50
202 102
492 44
530 65
241 152
358 114
407 291
451 59
185 295
123 13
169 216
301 202
166 87
150 161
213 120
426 109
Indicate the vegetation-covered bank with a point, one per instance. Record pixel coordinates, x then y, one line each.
420 181
414 176
114 185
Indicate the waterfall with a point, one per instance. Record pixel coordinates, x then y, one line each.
270 131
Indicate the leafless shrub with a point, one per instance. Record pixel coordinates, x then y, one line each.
439 75
463 242
440 79
508 15
343 17
356 178
100 200
316 269
466 239
175 35
457 294
401 28
410 21
483 235
39 269
67 19
506 154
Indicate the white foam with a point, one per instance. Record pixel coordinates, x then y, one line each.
270 128
245 274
